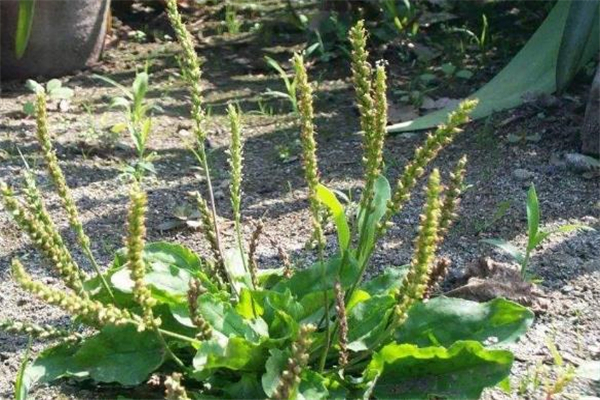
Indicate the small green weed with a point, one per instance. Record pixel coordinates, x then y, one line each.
138 115
290 85
535 235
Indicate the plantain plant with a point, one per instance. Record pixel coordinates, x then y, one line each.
220 327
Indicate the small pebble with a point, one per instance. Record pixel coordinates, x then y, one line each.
522 174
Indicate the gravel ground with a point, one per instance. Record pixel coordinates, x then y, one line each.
568 265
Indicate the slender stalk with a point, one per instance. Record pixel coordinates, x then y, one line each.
175 335
327 316
168 349
236 163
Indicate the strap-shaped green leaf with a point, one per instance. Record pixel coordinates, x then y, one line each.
24 25
329 199
533 216
576 34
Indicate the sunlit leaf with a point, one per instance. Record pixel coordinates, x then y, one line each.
461 372
507 248
329 199
443 321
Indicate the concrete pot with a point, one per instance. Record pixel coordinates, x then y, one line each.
67 35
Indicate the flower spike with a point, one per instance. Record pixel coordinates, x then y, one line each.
309 146
135 250
415 283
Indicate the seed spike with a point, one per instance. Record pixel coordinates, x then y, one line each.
414 284
452 196
290 377
252 252
443 135
340 308
195 291
309 145
91 311
135 243
46 238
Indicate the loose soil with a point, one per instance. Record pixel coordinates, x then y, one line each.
567 265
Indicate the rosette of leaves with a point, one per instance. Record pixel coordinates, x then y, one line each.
274 336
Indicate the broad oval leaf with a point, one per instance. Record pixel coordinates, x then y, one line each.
223 318
367 320
316 278
405 371
235 354
442 321
275 364
390 279
118 354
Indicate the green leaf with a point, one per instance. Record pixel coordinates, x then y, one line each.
120 354
326 196
577 33
248 387
464 74
53 363
533 216
571 228
24 25
247 305
275 364
367 320
120 102
236 354
442 321
405 371
532 70
378 207
140 87
391 279
448 68
169 269
116 84
235 268
53 84
223 318
118 127
117 354
34 86
61 93
427 77
29 108
21 389
508 248
312 386
311 280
